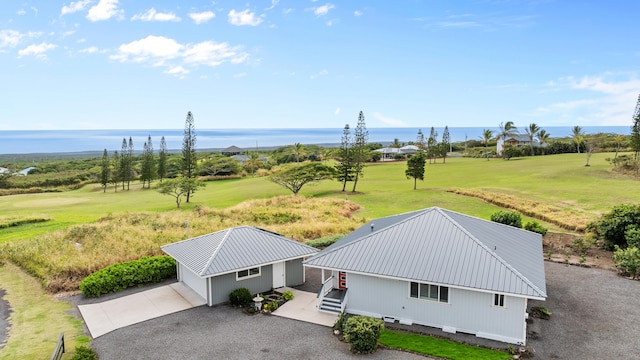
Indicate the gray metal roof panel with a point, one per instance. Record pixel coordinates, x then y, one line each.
234 249
441 246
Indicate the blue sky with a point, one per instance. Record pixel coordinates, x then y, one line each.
109 64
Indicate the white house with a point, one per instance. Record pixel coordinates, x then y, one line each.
518 141
215 264
437 268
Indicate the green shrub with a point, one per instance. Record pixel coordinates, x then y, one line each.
535 227
613 226
117 277
632 235
240 297
339 324
362 332
272 306
627 260
84 353
288 295
511 218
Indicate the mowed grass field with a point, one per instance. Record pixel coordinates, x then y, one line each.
559 180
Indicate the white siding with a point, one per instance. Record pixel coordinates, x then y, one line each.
467 311
195 282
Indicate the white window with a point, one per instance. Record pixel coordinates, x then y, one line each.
498 300
429 292
248 273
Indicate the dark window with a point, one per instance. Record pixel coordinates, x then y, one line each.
429 292
498 300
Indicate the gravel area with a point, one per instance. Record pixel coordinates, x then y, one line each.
594 315
224 332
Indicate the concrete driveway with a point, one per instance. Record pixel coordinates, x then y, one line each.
104 317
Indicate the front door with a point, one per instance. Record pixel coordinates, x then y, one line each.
278 275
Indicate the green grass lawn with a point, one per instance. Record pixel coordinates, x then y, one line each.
561 180
441 348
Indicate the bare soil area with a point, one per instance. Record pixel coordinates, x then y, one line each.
560 248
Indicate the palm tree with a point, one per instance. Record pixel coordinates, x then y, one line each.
618 139
507 130
578 136
543 137
532 131
253 162
487 135
298 151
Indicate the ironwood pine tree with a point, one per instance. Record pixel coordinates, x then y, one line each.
123 168
148 172
344 159
105 170
359 149
415 167
445 144
129 162
189 159
162 160
432 145
115 172
420 143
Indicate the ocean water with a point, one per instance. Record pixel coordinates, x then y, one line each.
64 141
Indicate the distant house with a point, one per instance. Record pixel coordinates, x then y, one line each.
232 150
389 153
4 170
242 159
518 141
26 171
437 268
215 264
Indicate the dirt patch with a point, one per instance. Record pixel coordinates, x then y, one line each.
562 248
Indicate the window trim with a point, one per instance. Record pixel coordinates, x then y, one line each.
499 301
419 285
257 271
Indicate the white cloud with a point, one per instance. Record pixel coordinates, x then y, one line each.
38 51
239 75
329 23
607 99
202 17
322 72
273 4
287 11
337 112
166 52
21 12
74 7
153 15
387 120
244 17
90 50
323 10
68 33
10 38
357 13
104 10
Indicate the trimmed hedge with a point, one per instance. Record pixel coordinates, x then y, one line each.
536 227
117 277
511 218
363 332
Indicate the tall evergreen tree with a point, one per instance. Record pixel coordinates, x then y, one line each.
415 167
115 172
123 168
162 160
445 144
359 149
189 160
148 172
432 145
129 162
105 170
344 158
420 143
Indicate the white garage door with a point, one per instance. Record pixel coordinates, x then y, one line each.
195 282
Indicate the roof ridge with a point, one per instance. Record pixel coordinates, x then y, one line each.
491 253
418 213
213 255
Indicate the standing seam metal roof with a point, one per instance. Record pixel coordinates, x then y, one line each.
235 249
441 246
